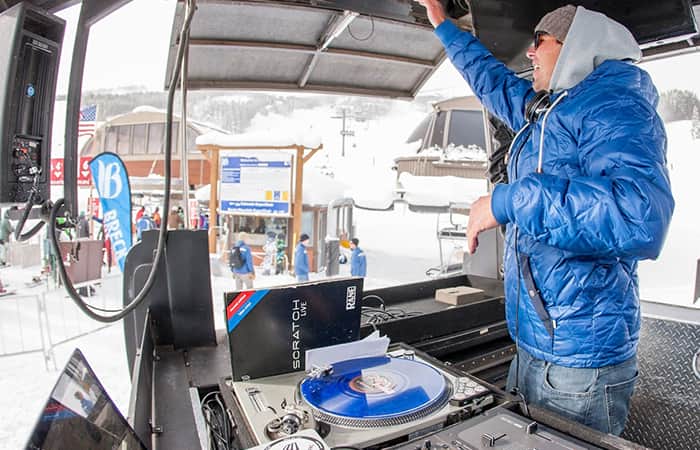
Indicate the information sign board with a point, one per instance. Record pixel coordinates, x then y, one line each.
255 183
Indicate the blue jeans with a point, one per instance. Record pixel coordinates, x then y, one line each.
596 397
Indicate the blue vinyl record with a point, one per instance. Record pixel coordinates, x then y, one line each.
376 388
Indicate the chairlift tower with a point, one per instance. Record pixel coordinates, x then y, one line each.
344 131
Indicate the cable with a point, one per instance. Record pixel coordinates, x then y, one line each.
371 31
166 201
381 300
380 315
218 422
19 236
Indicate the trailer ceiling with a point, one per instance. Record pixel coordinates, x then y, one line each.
300 46
384 48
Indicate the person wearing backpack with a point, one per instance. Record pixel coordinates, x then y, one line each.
241 264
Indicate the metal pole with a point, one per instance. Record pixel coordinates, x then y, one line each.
46 344
342 132
75 86
213 197
184 170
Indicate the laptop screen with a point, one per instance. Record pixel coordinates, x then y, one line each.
80 414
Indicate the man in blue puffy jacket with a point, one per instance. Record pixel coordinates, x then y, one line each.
358 259
301 259
588 197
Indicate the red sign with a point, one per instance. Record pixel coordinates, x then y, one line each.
84 177
94 207
58 171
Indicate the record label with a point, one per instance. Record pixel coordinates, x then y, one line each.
372 383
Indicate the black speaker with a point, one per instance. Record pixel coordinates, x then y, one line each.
29 56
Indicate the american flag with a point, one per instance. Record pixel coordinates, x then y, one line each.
88 118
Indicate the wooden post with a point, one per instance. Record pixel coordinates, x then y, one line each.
298 198
213 196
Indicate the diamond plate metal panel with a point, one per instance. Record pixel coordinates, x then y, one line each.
665 408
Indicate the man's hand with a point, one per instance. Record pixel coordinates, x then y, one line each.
480 219
436 12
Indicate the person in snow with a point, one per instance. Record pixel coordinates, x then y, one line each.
175 220
588 197
270 249
280 257
6 230
143 224
242 264
156 217
301 259
358 259
140 213
83 230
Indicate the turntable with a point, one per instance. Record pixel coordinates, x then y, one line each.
359 402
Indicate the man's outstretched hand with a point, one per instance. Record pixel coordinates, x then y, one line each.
480 219
436 12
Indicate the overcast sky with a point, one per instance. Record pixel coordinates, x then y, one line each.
130 48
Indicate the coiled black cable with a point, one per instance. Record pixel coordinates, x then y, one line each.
162 235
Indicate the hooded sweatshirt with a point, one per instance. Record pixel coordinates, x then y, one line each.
589 193
592 39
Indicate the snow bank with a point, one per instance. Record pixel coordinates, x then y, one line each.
321 189
440 191
471 152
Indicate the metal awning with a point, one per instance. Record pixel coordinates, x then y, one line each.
300 46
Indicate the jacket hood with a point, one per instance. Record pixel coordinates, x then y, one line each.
592 39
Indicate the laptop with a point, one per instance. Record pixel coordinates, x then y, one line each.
79 414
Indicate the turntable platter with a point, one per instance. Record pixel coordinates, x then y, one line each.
376 391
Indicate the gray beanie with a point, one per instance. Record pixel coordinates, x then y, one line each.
557 22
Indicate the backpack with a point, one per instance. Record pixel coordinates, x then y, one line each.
236 260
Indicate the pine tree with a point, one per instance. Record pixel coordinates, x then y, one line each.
696 123
677 104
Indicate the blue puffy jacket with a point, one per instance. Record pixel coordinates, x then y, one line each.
602 202
143 224
301 260
247 256
358 263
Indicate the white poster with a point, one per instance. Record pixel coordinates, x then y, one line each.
257 183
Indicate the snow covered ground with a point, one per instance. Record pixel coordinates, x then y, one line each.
671 278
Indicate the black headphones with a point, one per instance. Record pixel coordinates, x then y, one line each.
537 105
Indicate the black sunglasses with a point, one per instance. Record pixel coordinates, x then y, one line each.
538 38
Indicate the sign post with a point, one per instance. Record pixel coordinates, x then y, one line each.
214 155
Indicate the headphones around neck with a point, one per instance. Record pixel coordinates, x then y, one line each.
537 105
